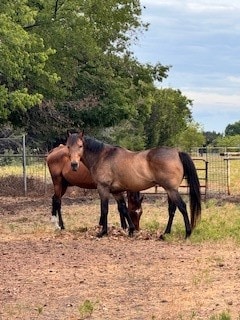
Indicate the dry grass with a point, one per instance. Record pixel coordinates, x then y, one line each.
72 275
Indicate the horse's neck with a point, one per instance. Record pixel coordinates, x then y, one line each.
92 152
89 159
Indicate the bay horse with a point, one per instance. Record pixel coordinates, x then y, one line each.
63 176
116 169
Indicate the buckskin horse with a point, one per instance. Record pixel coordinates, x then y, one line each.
116 169
63 176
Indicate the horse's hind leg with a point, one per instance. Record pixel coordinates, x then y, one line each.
176 200
171 212
123 221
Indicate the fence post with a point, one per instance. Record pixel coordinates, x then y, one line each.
228 175
24 164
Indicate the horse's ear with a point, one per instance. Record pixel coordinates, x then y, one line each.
81 134
68 133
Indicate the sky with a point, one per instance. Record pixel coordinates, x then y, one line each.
201 41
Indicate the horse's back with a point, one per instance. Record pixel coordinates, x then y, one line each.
56 159
166 165
143 169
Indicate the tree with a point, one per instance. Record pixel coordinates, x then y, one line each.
233 129
211 137
23 74
229 141
128 134
101 84
192 136
84 33
170 114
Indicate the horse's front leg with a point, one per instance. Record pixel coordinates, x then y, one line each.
103 219
104 199
122 217
122 221
124 214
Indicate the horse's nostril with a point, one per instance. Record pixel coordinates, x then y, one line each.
74 166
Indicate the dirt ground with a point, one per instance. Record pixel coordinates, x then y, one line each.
74 275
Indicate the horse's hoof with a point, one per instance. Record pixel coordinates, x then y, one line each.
161 237
131 232
101 234
188 234
54 220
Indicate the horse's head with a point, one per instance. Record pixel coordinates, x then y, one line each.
75 149
135 207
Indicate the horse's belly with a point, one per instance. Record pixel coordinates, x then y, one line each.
132 183
139 186
82 181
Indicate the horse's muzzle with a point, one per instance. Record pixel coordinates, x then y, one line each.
74 166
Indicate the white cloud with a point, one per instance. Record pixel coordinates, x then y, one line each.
206 6
197 5
234 79
214 102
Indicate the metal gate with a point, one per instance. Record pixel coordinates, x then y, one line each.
202 170
223 174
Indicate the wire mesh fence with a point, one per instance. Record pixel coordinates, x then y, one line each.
218 170
19 178
223 174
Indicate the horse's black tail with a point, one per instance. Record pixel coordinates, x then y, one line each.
190 174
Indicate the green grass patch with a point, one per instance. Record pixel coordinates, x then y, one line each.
219 221
225 315
86 309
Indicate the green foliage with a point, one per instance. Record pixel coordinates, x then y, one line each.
100 83
68 64
23 60
219 222
152 226
86 36
225 315
133 140
9 159
211 137
228 141
191 137
170 114
86 309
233 129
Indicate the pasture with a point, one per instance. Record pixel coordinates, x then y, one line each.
73 275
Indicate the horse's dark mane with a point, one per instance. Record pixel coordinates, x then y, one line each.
92 144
